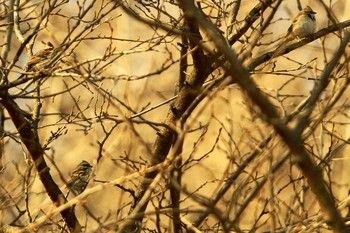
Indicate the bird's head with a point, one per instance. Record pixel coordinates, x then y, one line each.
308 10
48 46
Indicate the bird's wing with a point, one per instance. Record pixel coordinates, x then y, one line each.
36 58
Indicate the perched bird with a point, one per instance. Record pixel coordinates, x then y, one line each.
79 178
40 58
303 25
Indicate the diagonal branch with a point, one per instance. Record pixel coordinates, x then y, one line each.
191 88
292 138
254 62
31 141
253 15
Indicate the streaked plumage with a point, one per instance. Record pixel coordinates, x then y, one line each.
40 58
303 25
79 178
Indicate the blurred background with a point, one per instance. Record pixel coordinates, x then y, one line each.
113 85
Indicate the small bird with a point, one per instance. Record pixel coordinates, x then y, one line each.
79 178
40 58
303 25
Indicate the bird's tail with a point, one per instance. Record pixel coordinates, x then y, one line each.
281 48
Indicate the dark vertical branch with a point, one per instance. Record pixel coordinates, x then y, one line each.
176 172
36 152
175 183
183 62
3 73
191 88
166 136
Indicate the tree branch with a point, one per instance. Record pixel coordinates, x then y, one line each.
36 152
294 141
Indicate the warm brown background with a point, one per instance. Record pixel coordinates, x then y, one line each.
234 125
